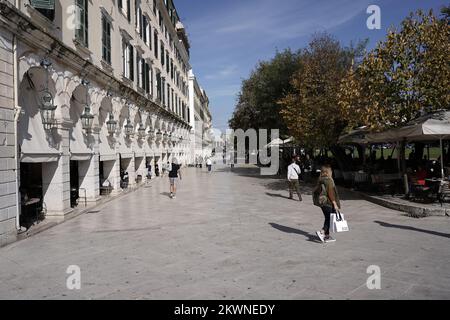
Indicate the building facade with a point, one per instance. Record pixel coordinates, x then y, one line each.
200 122
94 98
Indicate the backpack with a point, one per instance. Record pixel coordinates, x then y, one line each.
320 197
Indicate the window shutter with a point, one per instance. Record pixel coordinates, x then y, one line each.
43 4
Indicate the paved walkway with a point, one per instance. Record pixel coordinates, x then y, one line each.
229 236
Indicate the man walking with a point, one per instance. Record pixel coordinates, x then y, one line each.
174 173
292 176
209 164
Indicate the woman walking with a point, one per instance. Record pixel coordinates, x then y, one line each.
174 174
328 197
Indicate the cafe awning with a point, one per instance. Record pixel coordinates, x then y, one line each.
78 144
36 144
434 126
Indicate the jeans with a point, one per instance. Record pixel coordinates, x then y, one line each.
327 211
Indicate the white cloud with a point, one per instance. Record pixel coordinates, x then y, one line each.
223 73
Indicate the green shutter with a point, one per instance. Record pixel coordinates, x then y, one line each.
43 4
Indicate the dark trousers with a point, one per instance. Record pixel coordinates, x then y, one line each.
327 211
294 186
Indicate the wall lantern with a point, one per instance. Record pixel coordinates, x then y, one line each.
151 134
87 118
141 131
47 106
47 109
111 124
129 128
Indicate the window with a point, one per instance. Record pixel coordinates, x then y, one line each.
160 20
155 38
168 98
162 54
45 7
128 60
171 69
148 79
140 64
125 8
139 19
163 90
154 7
147 32
81 33
172 99
168 63
158 86
106 39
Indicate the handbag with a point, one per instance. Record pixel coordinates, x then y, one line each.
338 223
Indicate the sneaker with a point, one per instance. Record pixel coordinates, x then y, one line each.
174 197
321 236
329 239
171 196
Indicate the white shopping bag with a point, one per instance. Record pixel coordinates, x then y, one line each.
338 223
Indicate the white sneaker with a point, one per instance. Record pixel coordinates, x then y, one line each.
329 239
321 236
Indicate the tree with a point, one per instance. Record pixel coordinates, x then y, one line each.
445 12
311 111
406 75
257 105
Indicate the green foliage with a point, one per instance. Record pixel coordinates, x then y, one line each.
404 76
257 105
311 110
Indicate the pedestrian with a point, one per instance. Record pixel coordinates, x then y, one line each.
292 176
209 164
174 174
326 196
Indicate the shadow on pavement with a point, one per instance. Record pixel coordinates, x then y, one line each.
167 194
311 237
435 233
277 195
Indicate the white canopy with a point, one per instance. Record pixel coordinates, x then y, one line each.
357 136
278 142
434 126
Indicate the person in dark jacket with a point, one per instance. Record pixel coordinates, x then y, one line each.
332 204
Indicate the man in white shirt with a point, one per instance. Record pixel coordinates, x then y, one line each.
292 176
209 164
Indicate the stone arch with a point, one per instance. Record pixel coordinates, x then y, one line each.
36 80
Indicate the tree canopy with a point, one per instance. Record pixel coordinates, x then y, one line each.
257 105
311 110
406 75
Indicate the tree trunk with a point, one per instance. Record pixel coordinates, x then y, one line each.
341 159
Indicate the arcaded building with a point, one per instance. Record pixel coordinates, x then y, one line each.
94 99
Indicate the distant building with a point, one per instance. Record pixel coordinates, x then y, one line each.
200 122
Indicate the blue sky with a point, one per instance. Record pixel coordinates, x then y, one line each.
229 37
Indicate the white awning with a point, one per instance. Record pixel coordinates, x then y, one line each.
106 146
430 127
36 145
127 155
79 144
109 157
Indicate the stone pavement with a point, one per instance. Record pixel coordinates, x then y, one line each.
229 236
